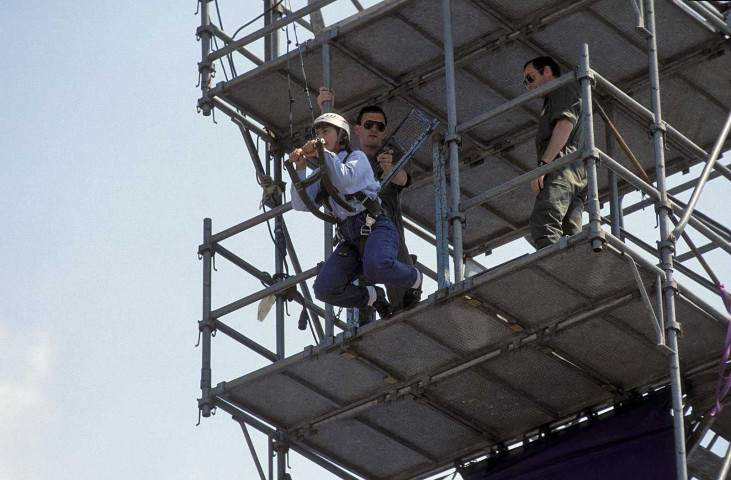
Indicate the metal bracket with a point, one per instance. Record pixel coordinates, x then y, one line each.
204 29
666 244
582 74
675 326
453 215
671 285
660 205
281 446
662 126
599 235
207 66
205 103
454 137
206 247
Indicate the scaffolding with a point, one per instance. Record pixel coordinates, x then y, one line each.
475 368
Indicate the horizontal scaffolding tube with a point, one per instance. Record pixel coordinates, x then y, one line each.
276 288
252 222
539 92
232 47
222 35
623 97
517 181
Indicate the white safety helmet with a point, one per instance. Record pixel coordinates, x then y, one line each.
335 120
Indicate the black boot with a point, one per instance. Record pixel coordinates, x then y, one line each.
413 295
366 315
381 304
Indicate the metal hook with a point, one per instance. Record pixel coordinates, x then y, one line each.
199 339
197 7
213 263
213 112
199 418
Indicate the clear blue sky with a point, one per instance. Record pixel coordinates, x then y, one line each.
107 172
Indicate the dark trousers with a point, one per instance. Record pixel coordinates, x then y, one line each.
334 285
559 205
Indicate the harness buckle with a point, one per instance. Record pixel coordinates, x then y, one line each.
365 230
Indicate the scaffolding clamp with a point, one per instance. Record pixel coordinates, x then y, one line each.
457 215
666 245
453 137
663 205
205 104
204 29
661 126
280 446
599 235
207 66
670 285
589 73
204 248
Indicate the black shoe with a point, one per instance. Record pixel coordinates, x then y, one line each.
381 304
413 295
366 315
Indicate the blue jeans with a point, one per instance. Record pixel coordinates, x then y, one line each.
334 285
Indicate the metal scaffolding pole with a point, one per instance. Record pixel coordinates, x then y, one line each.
205 67
441 221
590 155
666 246
271 51
328 232
452 141
615 200
206 324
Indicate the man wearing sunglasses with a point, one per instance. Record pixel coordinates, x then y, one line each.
371 128
560 195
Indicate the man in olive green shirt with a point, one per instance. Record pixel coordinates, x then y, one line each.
560 195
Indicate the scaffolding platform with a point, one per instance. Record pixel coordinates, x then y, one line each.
528 344
493 41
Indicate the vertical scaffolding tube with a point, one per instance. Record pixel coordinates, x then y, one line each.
666 245
206 325
271 51
205 68
441 212
328 228
452 141
590 156
615 202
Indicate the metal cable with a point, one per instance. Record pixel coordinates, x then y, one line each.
255 19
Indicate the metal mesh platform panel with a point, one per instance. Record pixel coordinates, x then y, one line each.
530 342
488 73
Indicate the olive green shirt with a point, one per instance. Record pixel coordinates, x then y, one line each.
562 103
391 195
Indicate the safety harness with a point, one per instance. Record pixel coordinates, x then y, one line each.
328 191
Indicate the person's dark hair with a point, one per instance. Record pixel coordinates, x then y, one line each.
542 62
371 109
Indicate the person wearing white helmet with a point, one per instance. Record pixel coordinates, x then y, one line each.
369 242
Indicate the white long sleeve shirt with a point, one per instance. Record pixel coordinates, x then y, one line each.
350 176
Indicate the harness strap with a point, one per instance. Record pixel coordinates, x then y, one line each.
301 190
325 180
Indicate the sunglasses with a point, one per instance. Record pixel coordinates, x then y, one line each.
368 124
530 78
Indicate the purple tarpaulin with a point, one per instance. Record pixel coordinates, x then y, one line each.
631 443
